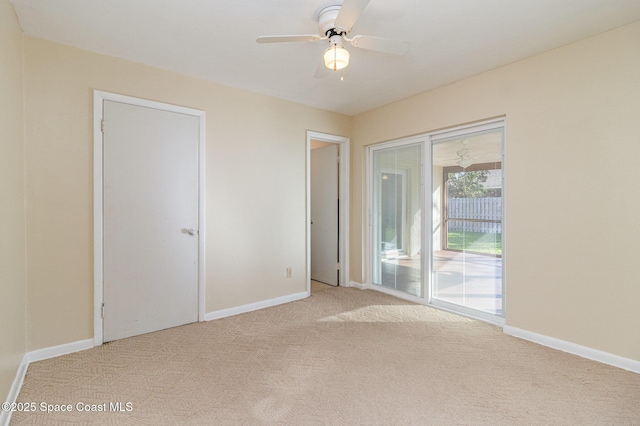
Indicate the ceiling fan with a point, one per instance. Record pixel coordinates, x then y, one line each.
335 23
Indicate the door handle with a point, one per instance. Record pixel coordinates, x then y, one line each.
191 231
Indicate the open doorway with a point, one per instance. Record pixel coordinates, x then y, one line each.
327 209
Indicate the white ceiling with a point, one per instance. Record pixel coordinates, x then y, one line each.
215 40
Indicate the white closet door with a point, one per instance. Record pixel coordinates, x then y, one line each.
150 219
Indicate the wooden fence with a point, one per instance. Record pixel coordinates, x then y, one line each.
482 214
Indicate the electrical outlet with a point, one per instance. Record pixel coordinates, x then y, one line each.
289 272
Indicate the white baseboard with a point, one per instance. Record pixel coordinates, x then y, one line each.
358 285
14 390
39 355
222 313
54 351
572 348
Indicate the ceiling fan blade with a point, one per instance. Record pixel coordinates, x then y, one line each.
349 13
381 44
289 38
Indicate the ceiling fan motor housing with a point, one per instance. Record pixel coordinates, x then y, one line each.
326 21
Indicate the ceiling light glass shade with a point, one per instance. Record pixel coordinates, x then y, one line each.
336 57
465 162
464 158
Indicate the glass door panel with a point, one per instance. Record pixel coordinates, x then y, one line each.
467 222
396 218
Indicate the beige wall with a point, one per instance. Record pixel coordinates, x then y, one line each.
255 177
571 196
12 211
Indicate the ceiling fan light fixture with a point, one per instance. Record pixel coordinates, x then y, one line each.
336 57
464 158
464 162
335 22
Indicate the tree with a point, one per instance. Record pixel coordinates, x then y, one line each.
467 184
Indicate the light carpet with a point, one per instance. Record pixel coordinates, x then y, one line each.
341 357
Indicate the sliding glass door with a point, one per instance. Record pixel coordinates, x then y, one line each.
466 248
397 218
445 218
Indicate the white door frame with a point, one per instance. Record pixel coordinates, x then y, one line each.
343 219
98 267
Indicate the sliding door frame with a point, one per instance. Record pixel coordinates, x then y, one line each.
428 140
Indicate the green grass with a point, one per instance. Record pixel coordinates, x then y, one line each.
479 242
